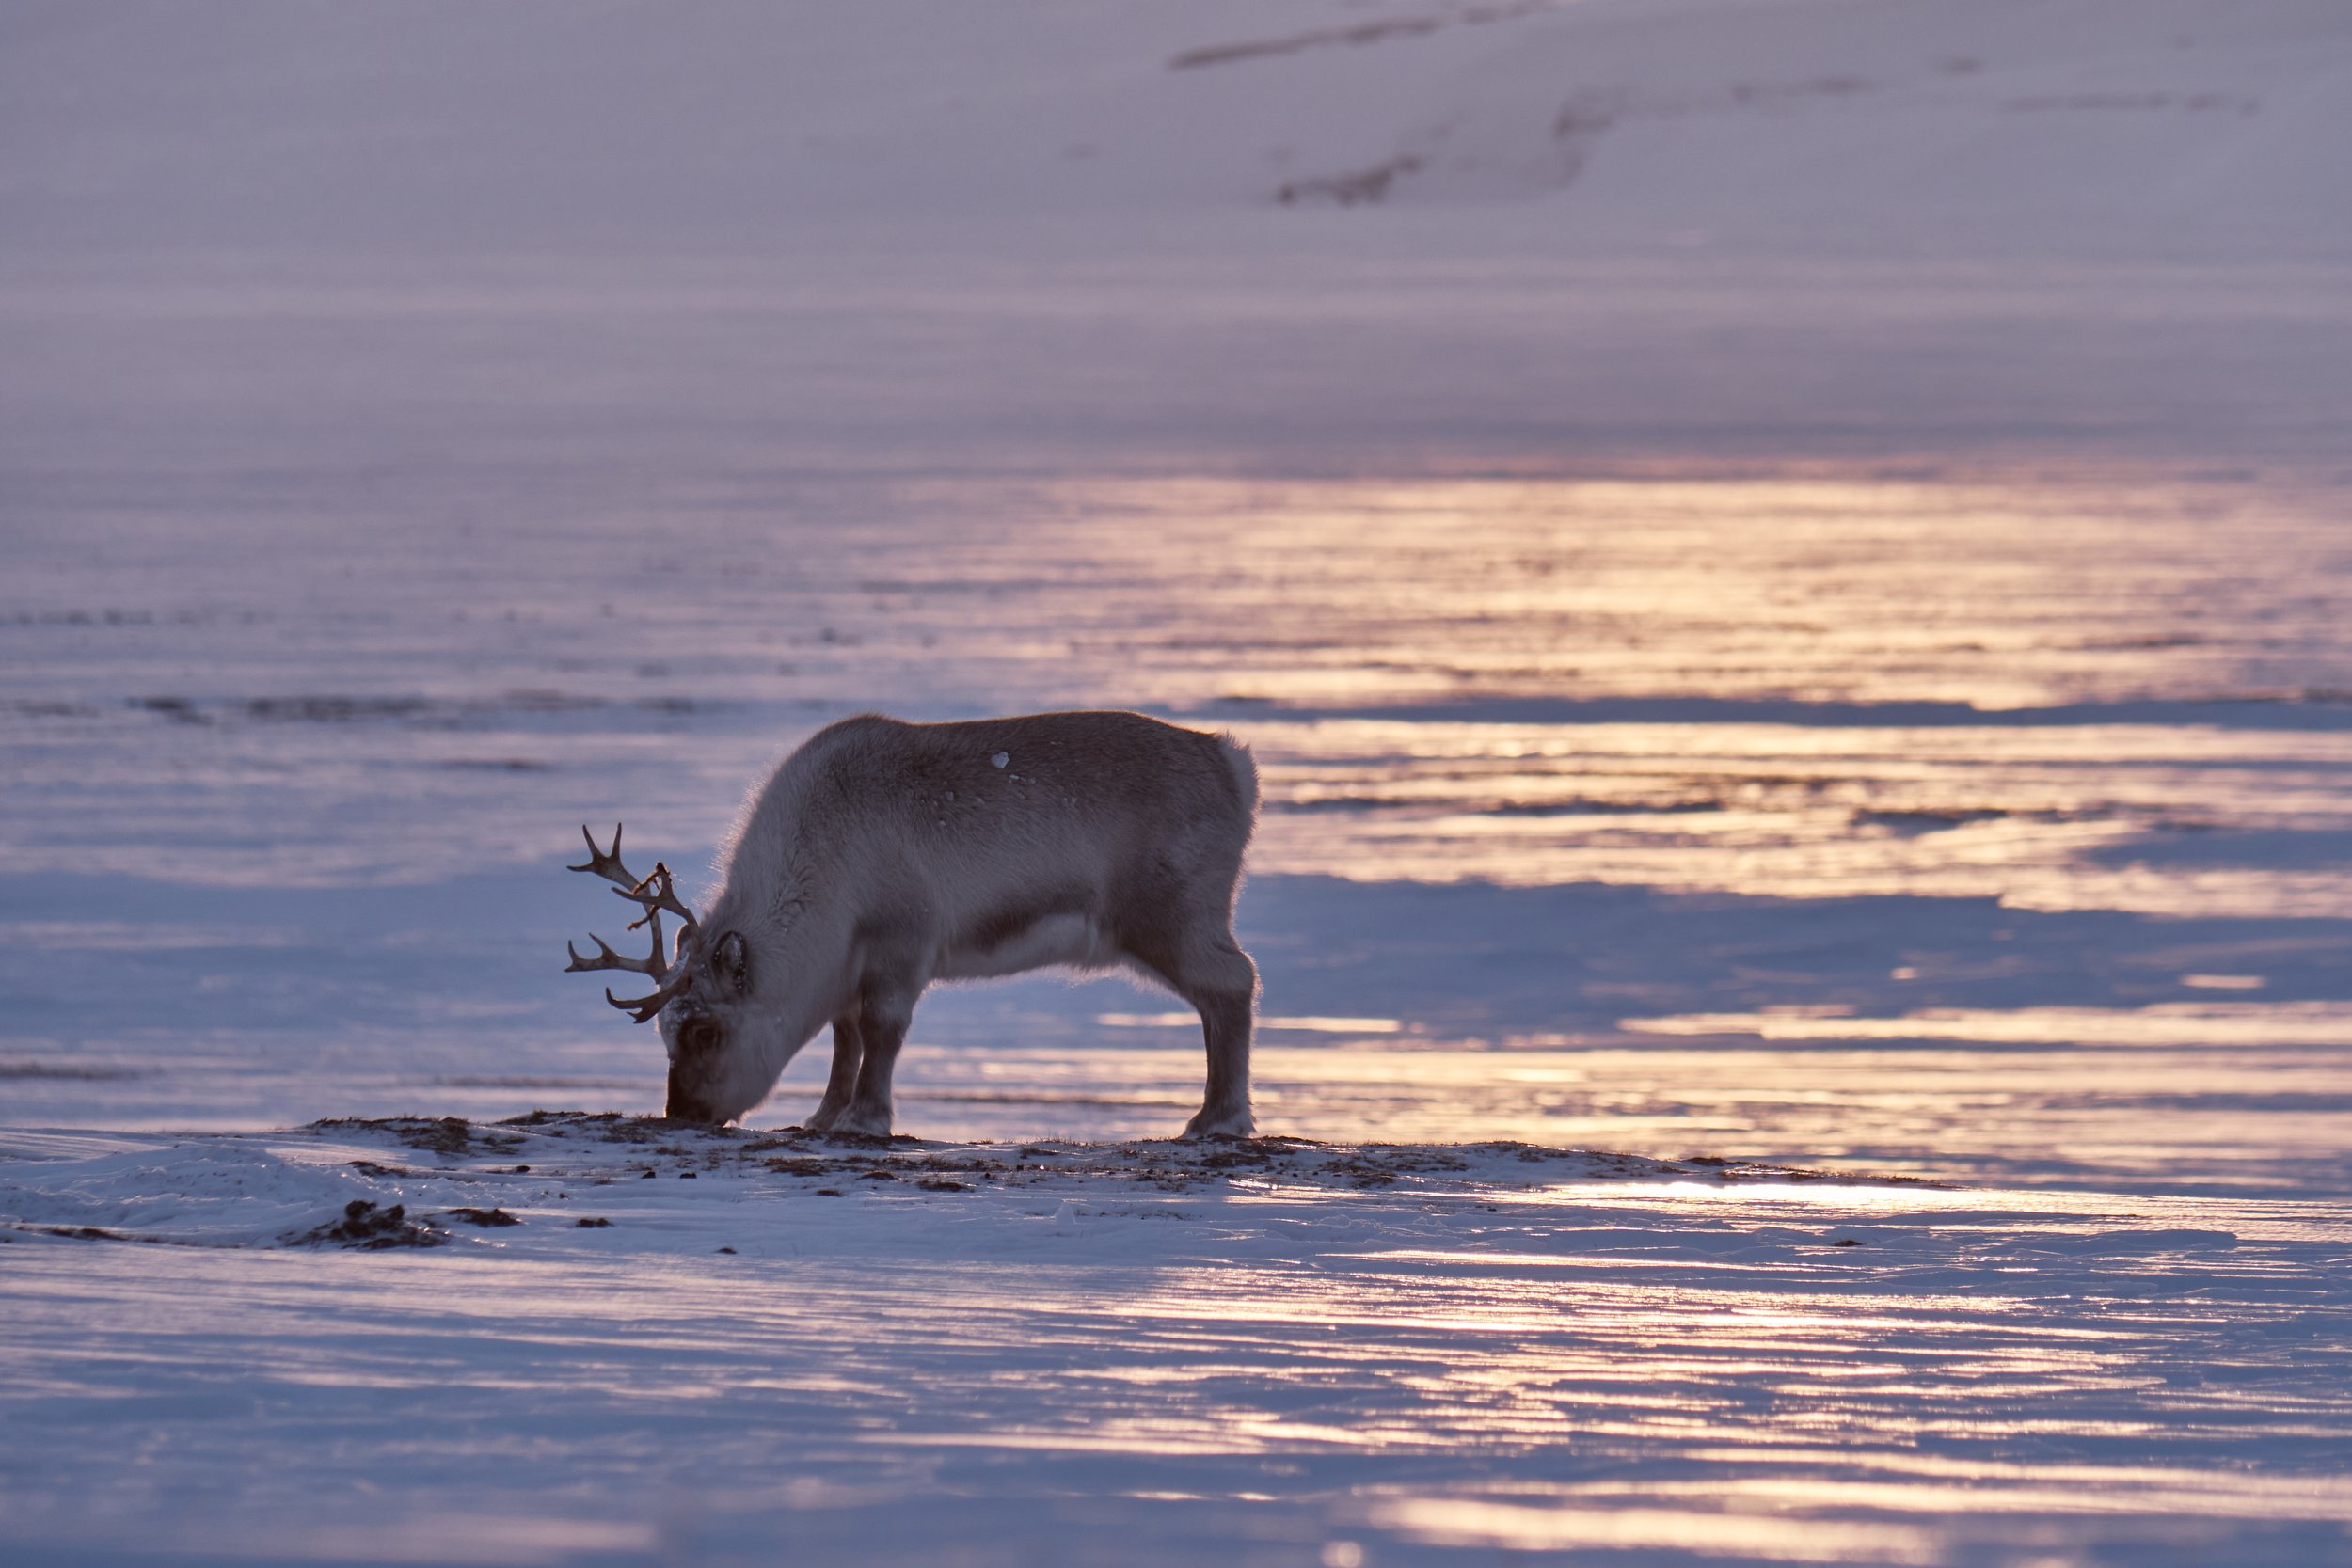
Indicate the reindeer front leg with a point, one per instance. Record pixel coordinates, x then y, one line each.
885 1011
839 1088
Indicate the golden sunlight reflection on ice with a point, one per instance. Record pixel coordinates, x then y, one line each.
2193 1104
2003 592
1263 605
2048 818
2172 1023
1531 1527
1775 1517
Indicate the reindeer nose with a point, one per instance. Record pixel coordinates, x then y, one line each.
685 1104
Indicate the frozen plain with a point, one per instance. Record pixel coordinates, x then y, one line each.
1790 593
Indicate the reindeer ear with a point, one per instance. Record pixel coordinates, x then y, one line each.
730 963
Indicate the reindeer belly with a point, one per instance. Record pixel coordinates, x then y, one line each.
1061 937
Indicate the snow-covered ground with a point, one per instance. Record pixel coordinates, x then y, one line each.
1026 1353
487 249
1022 1352
1785 562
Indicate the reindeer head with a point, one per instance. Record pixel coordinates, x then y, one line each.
699 995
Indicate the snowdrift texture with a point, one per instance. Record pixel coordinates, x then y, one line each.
2157 130
665 237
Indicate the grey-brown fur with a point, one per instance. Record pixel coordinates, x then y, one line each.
883 856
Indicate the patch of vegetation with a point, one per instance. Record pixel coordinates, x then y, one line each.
368 1228
446 1136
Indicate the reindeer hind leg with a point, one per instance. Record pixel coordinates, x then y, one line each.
1224 987
1201 962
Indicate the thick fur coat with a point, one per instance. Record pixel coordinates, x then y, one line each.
881 856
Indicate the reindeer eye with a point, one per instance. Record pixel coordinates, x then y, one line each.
729 962
698 1036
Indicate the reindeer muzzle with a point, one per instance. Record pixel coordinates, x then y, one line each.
684 1103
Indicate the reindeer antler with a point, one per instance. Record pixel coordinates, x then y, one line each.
663 896
607 865
653 893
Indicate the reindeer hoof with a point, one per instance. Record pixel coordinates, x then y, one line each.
1219 1124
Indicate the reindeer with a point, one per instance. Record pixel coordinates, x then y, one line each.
881 856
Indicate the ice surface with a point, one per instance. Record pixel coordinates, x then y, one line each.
920 1352
1784 565
1749 899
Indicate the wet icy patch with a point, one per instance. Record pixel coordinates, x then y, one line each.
207 1192
673 1345
418 1180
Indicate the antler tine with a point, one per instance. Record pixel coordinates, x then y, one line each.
663 897
643 1008
607 958
653 894
603 863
